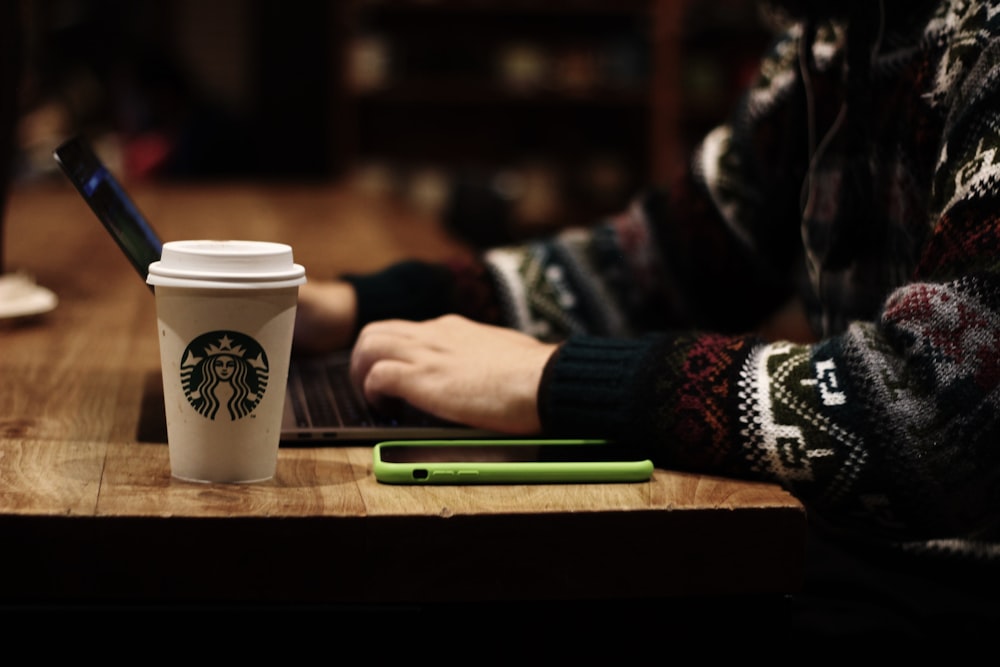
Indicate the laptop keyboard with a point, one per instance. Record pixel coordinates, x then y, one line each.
324 396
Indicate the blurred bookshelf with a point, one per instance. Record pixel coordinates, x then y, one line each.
525 116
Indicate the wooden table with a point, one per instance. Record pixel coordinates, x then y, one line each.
89 512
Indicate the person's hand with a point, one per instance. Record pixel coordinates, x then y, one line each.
463 371
325 317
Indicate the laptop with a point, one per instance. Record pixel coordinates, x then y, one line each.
322 405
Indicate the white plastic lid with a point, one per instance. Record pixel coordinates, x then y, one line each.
226 264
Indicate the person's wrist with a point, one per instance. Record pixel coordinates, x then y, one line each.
346 315
325 317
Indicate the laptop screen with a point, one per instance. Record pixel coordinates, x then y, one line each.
111 204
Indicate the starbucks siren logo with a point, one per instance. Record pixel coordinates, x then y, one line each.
224 368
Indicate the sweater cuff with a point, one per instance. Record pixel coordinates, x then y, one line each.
409 290
588 385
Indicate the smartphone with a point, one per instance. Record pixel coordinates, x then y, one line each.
508 462
106 198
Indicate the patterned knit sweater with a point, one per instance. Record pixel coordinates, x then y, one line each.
867 187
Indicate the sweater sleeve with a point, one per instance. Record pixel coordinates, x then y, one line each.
891 427
417 290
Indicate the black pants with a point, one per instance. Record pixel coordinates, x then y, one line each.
852 592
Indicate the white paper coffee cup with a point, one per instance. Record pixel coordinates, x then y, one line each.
225 314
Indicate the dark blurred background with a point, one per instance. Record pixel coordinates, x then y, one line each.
520 115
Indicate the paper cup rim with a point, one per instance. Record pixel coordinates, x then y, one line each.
232 264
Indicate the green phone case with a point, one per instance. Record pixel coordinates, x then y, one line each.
575 461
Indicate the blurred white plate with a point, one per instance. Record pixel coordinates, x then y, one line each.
21 297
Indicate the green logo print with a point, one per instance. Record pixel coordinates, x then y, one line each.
224 368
